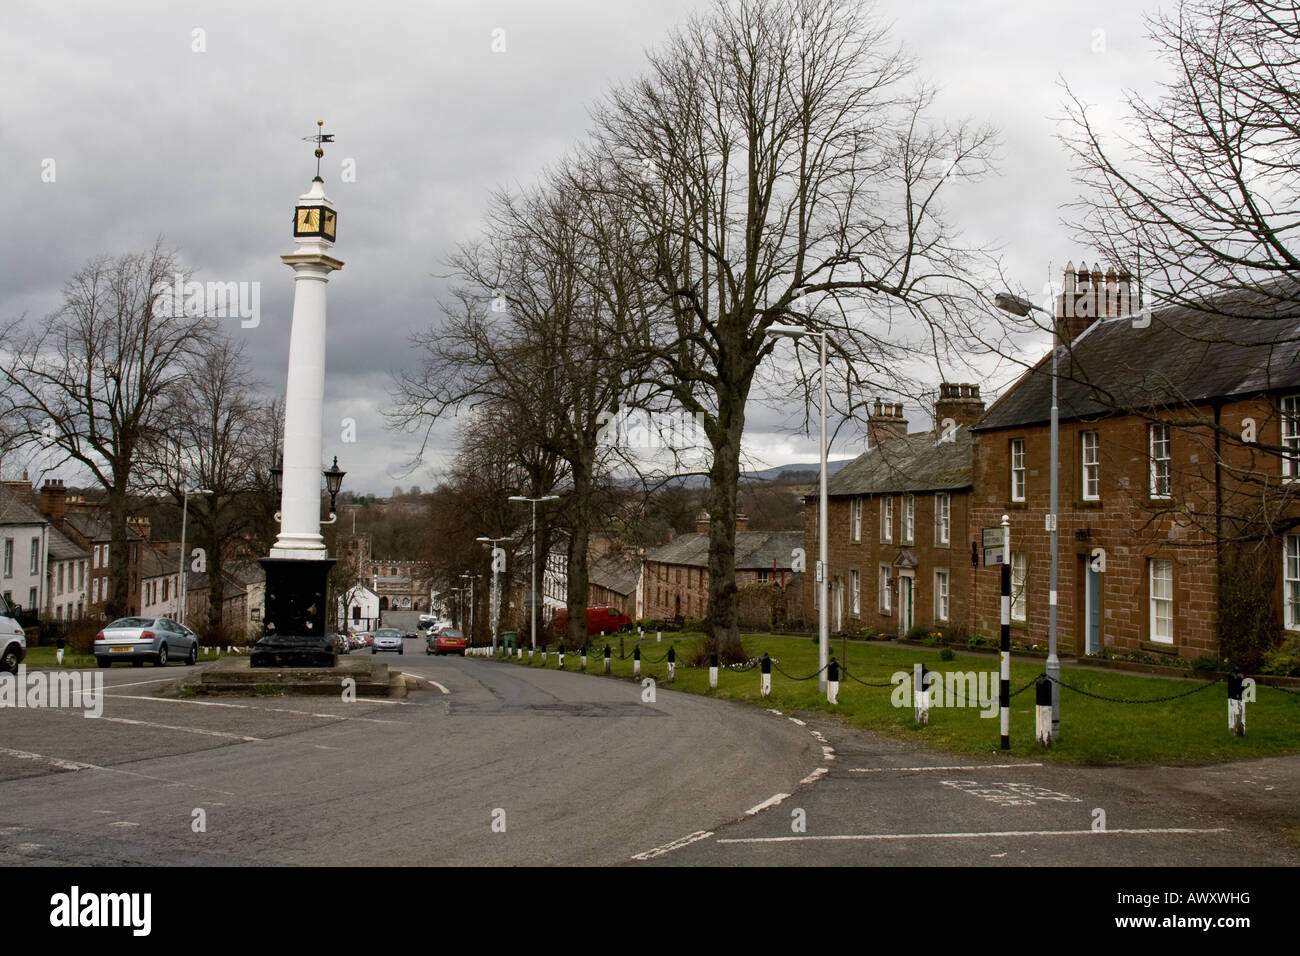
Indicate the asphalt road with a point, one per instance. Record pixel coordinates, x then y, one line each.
501 765
570 768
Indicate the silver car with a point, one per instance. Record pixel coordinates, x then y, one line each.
140 639
387 639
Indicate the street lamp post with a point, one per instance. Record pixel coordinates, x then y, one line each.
823 576
1022 307
496 593
532 597
180 580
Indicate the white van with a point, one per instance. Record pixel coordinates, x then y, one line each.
13 642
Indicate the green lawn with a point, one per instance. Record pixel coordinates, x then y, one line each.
1190 730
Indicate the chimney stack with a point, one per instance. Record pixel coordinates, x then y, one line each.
140 524
1090 295
884 423
742 522
960 403
54 500
702 523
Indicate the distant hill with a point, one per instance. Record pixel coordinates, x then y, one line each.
800 472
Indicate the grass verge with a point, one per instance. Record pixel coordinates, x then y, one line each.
1189 730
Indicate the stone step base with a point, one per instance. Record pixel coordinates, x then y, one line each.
235 677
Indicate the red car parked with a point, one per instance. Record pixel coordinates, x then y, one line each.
447 641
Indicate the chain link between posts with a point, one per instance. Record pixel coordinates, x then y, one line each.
1134 700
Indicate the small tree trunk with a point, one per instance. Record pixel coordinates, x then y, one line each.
118 558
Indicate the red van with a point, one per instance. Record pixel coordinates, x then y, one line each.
601 618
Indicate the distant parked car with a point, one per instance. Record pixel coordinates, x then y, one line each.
446 641
341 643
387 639
140 639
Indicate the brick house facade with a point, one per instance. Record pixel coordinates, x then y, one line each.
675 577
897 523
1171 429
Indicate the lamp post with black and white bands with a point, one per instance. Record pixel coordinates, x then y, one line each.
1004 690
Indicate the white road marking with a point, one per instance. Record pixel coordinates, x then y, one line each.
777 712
52 761
814 776
123 823
979 766
975 835
797 721
769 802
138 683
73 765
675 845
277 710
188 730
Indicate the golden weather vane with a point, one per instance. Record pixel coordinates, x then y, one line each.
318 139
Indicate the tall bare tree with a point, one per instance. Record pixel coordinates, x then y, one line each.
1203 196
543 325
216 442
784 171
91 381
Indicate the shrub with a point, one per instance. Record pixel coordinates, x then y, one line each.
1248 623
946 654
920 634
1285 661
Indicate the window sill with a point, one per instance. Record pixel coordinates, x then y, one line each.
1087 503
1159 647
1015 504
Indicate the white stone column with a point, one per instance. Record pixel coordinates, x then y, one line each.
300 535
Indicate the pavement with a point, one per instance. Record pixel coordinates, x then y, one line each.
493 764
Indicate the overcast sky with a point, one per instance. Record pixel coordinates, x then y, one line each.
186 120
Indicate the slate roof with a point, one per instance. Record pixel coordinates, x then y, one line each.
755 550
1235 345
60 548
616 574
95 527
910 464
155 563
13 510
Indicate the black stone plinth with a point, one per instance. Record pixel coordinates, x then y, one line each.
284 650
296 615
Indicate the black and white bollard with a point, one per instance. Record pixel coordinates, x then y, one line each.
920 695
636 662
833 681
659 637
606 658
543 655
765 680
559 656
713 671
58 654
1236 704
672 662
583 668
530 655
1043 710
